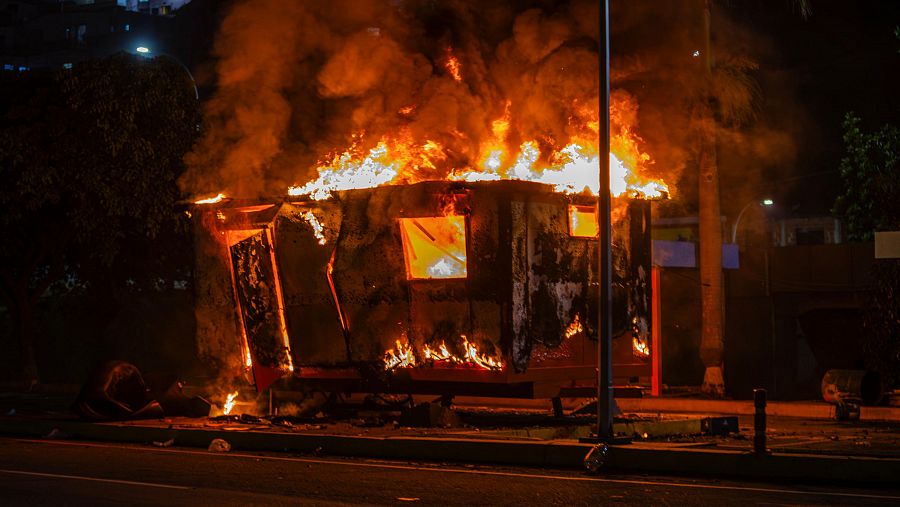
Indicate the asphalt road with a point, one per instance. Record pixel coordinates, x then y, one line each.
59 472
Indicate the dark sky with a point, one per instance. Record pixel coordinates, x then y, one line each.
843 57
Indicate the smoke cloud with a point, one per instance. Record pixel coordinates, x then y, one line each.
299 82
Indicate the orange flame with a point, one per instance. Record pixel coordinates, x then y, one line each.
570 169
211 200
402 358
434 247
230 400
315 224
471 356
575 327
452 65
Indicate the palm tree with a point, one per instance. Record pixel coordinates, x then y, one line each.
734 91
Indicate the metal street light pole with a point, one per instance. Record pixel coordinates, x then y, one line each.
604 204
147 52
734 228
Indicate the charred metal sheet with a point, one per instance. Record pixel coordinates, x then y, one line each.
369 270
313 322
560 268
218 332
639 299
255 280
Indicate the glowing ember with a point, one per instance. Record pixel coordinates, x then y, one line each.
315 224
248 361
403 357
211 200
230 400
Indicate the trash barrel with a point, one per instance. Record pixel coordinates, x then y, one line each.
840 386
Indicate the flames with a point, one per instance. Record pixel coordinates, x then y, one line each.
434 247
230 401
211 200
317 227
451 64
575 327
400 357
570 168
404 356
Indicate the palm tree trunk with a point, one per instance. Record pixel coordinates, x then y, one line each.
711 293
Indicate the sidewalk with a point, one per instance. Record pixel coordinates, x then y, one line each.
800 409
805 450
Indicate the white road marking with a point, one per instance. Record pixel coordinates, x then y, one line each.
749 489
95 479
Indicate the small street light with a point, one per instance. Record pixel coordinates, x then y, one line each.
765 202
144 50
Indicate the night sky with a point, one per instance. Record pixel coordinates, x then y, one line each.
843 57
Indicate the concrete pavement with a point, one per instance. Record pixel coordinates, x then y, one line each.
865 452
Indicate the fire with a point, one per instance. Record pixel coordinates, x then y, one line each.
248 361
434 247
402 358
570 169
316 226
583 222
405 357
452 65
575 327
230 400
640 347
211 200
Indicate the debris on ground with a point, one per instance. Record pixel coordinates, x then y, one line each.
219 445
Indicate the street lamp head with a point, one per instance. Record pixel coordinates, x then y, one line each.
767 202
142 50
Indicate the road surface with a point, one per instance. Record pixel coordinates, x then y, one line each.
60 472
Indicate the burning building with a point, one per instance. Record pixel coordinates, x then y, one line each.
438 233
479 288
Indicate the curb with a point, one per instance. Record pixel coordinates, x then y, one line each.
641 458
807 410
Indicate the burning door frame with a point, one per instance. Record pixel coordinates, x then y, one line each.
520 323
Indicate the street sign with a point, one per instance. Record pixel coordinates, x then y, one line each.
887 245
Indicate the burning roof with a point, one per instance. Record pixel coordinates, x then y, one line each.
360 94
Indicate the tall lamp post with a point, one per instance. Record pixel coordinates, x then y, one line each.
737 221
605 434
147 52
604 204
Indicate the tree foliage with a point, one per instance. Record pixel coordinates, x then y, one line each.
870 171
89 158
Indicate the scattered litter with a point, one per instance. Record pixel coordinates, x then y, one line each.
56 434
318 451
167 443
407 499
219 445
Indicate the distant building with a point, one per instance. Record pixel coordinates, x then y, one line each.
56 34
807 231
